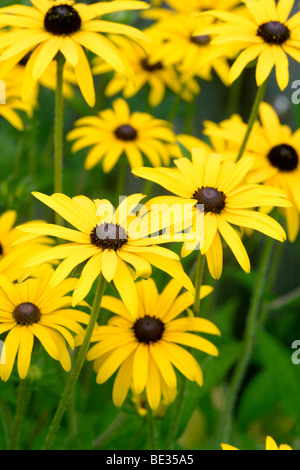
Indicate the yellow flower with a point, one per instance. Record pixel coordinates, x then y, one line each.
179 46
50 26
33 309
145 350
12 256
115 131
276 152
107 240
270 445
146 72
265 34
218 185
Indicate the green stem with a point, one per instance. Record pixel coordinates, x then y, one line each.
58 130
147 188
151 426
176 416
72 379
174 108
198 282
253 115
18 416
189 117
248 342
177 411
234 96
122 167
274 266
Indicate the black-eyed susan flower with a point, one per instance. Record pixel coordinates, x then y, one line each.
146 350
107 240
179 46
266 33
13 256
218 186
32 310
114 131
276 152
157 75
50 26
270 445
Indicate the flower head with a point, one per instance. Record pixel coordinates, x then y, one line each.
158 75
32 309
52 26
276 152
265 33
107 241
179 46
218 185
116 130
145 350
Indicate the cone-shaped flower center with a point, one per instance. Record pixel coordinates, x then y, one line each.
212 199
284 157
148 329
26 313
62 19
201 40
126 132
108 236
151 67
273 32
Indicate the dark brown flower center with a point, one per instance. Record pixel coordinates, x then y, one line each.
126 132
274 32
151 67
284 157
201 40
62 19
148 329
212 199
108 236
27 313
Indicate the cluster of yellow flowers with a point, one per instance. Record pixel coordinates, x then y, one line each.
229 194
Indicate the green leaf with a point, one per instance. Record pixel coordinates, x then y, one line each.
285 375
257 399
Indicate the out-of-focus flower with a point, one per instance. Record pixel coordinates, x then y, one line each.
116 130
